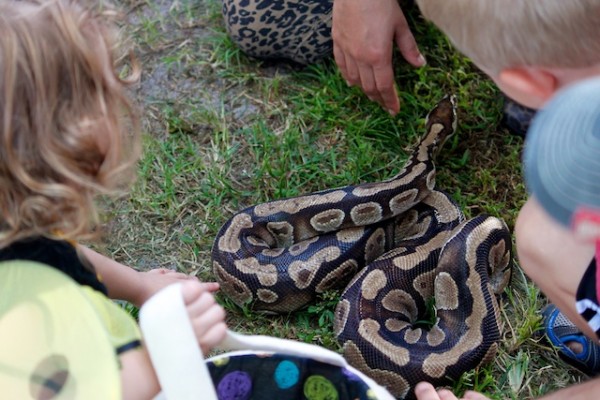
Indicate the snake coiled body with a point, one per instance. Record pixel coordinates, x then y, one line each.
400 243
462 269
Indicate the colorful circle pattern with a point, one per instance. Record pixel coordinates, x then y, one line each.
260 376
236 385
318 387
286 374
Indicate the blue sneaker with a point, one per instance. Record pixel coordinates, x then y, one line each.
516 118
560 331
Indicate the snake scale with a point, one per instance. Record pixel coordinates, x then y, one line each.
401 248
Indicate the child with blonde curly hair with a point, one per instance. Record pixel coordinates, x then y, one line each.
68 134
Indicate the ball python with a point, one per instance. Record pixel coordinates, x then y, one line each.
394 245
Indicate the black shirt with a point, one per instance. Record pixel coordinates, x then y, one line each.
58 254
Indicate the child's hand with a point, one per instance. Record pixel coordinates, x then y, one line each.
154 280
426 391
206 316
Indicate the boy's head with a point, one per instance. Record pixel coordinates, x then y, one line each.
562 158
529 48
62 131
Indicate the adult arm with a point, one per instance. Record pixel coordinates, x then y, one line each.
363 36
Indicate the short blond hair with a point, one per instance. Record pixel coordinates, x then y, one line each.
498 34
68 131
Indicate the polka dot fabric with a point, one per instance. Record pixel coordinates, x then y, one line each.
281 377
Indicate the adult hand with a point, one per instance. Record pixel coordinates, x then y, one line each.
363 36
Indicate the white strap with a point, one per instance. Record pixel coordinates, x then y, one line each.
235 341
174 351
178 361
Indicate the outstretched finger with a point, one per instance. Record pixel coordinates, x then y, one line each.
368 84
210 286
351 72
384 80
340 60
408 45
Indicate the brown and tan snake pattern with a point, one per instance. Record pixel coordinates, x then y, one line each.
402 245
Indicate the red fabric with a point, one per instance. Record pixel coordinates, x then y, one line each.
598 269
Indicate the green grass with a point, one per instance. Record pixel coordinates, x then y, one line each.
223 132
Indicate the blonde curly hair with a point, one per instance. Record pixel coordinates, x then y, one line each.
68 130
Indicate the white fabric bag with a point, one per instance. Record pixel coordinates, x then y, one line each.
295 367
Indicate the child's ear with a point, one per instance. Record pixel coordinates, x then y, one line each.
535 83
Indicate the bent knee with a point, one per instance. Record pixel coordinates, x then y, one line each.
278 31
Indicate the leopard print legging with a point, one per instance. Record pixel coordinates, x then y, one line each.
297 30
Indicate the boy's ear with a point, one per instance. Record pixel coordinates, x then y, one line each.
536 83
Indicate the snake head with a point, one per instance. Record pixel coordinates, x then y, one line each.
441 122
